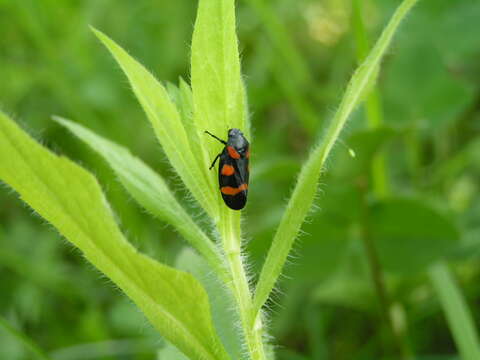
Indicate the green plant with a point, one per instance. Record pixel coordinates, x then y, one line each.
176 302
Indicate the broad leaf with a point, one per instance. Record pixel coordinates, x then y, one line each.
409 235
149 190
70 198
168 126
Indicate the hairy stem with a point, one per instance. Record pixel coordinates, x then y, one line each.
230 232
396 341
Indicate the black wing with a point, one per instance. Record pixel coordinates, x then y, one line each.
234 186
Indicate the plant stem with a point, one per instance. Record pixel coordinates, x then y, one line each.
378 279
230 232
24 339
396 340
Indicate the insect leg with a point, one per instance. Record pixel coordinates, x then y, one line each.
214 161
222 141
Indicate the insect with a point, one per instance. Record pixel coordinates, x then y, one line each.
233 171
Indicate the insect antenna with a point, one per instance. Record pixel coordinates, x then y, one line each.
222 141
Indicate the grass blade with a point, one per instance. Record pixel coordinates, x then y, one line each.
456 310
167 124
305 190
150 191
70 198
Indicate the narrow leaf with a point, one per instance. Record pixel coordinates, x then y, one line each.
167 124
219 104
150 191
216 79
305 190
70 198
218 93
456 310
183 97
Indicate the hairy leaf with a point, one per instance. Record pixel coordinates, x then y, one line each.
222 302
70 198
167 124
305 190
219 104
218 93
150 191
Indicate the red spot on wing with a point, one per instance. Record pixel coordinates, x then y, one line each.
233 153
227 170
228 190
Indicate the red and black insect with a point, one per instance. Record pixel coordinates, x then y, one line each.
233 172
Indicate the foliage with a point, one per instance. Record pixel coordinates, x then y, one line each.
394 242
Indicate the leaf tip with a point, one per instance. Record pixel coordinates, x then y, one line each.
100 35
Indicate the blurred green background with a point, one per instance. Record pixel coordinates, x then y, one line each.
297 56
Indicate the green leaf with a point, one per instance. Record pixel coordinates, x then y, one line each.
168 126
220 104
222 302
218 91
150 191
409 235
458 314
304 193
169 352
183 98
70 198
